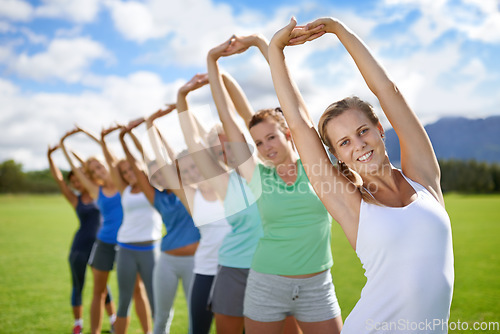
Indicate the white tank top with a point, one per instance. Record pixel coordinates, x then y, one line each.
141 222
209 217
407 254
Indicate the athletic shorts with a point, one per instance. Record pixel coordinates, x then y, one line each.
271 298
228 291
102 256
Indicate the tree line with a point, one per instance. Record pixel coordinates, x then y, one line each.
456 176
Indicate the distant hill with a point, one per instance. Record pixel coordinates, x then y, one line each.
458 138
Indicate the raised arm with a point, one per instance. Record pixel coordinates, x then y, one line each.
90 134
236 45
206 163
142 179
78 157
418 160
56 173
229 96
335 191
167 166
111 160
91 187
238 97
151 126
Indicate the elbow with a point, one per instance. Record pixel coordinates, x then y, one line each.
386 87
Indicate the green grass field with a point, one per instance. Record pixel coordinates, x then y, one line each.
36 231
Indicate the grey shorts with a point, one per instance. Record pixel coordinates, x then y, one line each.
102 256
271 298
228 291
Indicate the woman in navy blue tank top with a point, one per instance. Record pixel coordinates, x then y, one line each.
90 221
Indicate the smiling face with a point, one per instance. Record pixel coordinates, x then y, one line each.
127 172
357 141
272 144
155 177
221 149
189 170
96 170
75 183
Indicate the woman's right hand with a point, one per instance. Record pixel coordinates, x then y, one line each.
292 34
105 132
71 132
198 81
52 149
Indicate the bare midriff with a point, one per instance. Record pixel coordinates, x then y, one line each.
303 276
187 250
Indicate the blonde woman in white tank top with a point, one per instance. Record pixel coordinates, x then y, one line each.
394 219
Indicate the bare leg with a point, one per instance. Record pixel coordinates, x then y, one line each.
291 326
142 307
256 327
110 308
77 312
227 324
99 295
333 326
121 325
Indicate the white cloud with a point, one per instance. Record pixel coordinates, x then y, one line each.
32 121
74 10
192 27
64 59
16 10
6 27
33 37
134 20
488 31
72 32
477 19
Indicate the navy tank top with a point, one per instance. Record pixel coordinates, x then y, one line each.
90 221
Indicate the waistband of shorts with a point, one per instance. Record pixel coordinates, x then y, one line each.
139 246
321 277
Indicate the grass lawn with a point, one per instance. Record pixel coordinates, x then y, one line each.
36 232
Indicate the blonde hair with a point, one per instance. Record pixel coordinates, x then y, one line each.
86 168
336 109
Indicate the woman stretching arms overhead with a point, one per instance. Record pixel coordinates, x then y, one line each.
394 219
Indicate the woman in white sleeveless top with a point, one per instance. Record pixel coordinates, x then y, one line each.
394 219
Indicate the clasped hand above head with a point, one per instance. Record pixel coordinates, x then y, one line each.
292 34
198 81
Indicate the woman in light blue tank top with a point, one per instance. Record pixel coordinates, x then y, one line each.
394 219
237 249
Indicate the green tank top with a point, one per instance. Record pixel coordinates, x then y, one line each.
297 227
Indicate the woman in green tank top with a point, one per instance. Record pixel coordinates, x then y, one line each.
290 269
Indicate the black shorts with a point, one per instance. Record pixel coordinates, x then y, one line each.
102 256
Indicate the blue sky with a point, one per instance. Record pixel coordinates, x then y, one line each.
94 62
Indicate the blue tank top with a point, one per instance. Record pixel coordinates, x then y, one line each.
90 221
112 215
242 214
179 224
